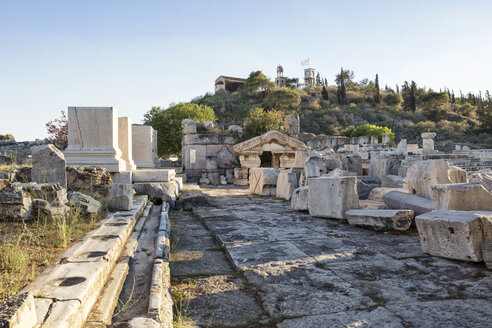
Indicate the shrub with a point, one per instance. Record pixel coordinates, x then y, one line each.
372 130
168 124
260 121
283 99
7 136
58 132
425 126
392 99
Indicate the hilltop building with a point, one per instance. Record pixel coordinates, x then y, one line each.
309 76
228 83
280 80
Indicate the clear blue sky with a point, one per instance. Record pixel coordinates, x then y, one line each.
136 54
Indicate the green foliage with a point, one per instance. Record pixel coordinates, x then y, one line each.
377 93
435 105
256 82
168 124
7 136
260 121
467 109
324 93
372 130
283 99
392 99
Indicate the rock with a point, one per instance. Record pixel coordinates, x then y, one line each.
48 165
352 163
422 175
457 235
15 203
230 176
383 164
391 181
299 200
4 183
153 175
371 204
486 180
314 167
487 254
143 323
52 192
381 219
241 176
331 197
167 191
86 204
204 181
332 163
403 200
363 189
18 311
378 193
263 181
93 178
23 175
287 182
5 160
335 173
190 198
43 209
214 179
457 175
235 129
461 197
188 126
121 196
223 180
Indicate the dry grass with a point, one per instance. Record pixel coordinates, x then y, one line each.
27 248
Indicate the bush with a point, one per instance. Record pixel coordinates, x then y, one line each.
283 99
7 136
425 126
168 124
260 121
392 99
58 132
372 130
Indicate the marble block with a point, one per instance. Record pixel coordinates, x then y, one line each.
125 142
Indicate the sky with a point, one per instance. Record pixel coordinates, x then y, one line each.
133 55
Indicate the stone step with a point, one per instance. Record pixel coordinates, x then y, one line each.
381 219
153 175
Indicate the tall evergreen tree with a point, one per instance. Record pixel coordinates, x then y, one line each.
324 93
397 89
377 93
413 96
341 90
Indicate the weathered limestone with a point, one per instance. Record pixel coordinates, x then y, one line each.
403 200
402 143
44 209
352 163
263 181
18 311
241 175
331 197
121 196
365 204
383 164
386 139
87 204
487 254
15 203
125 142
287 182
154 175
381 219
374 140
48 165
378 193
422 175
167 191
299 200
391 181
314 167
455 234
485 180
93 138
461 196
144 146
457 175
428 142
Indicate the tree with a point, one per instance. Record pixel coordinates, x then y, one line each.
292 82
283 99
372 130
392 99
58 132
8 136
168 124
467 110
318 79
260 121
324 93
345 77
377 93
435 105
257 82
342 79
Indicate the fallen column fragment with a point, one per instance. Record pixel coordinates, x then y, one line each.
403 200
381 219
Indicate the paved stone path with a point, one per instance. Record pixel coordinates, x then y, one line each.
312 272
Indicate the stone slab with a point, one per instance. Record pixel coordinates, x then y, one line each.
332 196
381 219
403 200
154 175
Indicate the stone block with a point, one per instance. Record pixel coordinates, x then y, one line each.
125 142
299 200
194 157
378 193
93 138
381 219
402 143
391 181
457 175
144 146
353 163
122 177
48 165
457 235
154 175
167 191
365 204
403 200
314 167
331 197
188 126
15 203
332 163
18 311
87 204
461 197
263 181
121 197
374 140
43 209
201 139
96 179
383 164
422 175
487 254
241 173
287 182
386 139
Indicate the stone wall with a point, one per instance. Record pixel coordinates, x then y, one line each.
207 151
18 151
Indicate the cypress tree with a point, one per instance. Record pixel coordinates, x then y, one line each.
324 93
397 89
377 94
413 98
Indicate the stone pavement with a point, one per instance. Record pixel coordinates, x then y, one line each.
312 272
